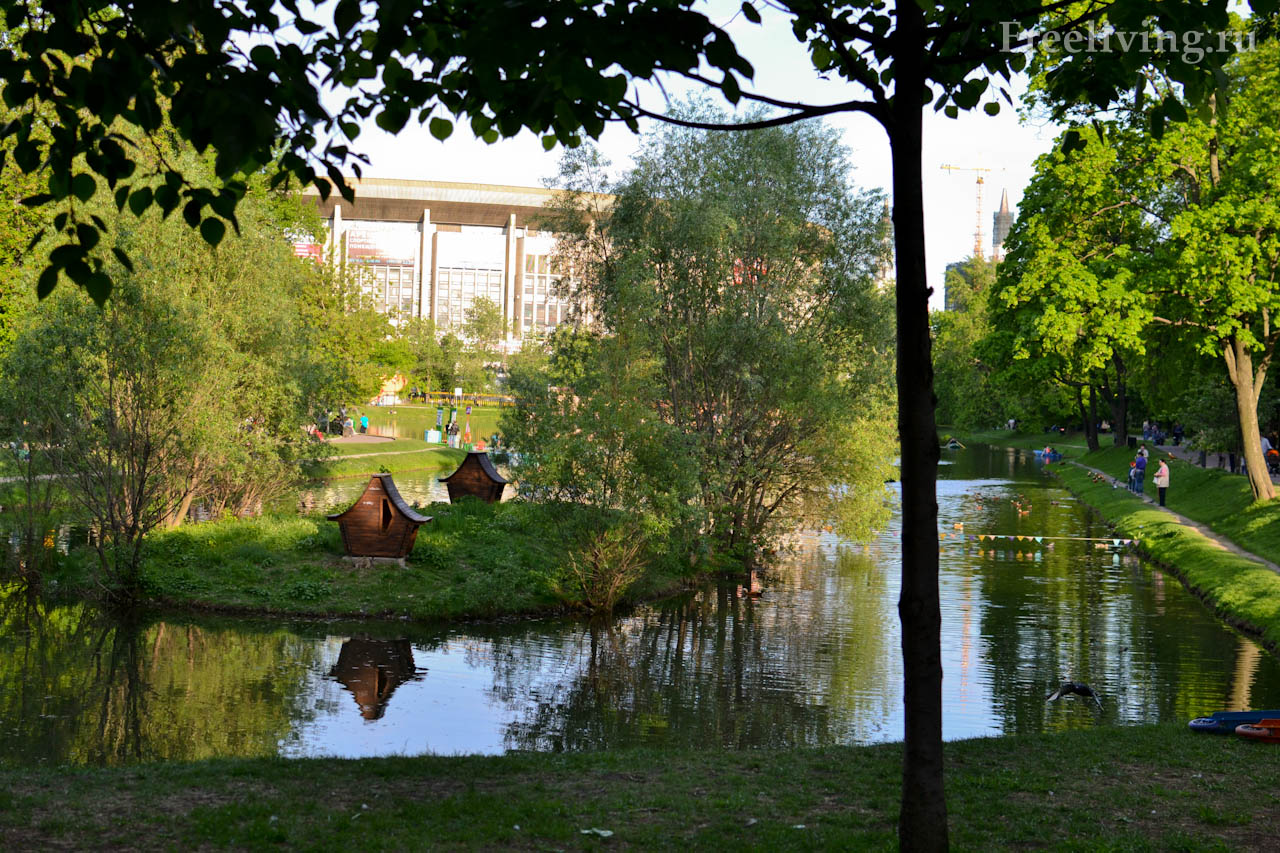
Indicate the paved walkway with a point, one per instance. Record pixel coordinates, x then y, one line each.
1207 532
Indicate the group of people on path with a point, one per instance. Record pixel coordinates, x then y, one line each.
1138 474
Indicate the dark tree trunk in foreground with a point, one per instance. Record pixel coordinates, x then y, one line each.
922 822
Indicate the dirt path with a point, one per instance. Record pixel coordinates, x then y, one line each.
1207 532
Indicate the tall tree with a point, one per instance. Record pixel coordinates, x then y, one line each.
744 266
1215 188
1068 307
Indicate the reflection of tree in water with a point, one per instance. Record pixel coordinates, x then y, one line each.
78 685
372 670
802 666
1081 613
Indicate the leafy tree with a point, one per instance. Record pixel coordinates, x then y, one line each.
419 335
125 407
966 395
1068 308
341 333
742 267
1214 187
484 325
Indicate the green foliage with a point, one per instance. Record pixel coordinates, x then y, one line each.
483 325
185 388
345 340
968 397
744 339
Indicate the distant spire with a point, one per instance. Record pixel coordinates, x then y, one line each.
1002 221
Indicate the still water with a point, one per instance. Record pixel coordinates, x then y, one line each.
812 661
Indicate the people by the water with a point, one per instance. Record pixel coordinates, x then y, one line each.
1140 471
1161 479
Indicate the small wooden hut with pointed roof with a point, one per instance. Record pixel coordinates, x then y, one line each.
380 523
476 477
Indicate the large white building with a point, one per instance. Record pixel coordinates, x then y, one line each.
431 248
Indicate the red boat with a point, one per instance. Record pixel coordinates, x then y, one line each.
1267 731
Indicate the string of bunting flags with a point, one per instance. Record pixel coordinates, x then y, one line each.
1010 537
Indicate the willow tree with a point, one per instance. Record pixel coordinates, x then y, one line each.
743 267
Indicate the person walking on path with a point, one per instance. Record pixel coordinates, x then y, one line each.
1161 479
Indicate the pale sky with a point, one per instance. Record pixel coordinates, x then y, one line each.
783 70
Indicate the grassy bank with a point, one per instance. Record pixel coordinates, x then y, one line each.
1136 788
1242 591
1213 497
404 454
474 560
414 420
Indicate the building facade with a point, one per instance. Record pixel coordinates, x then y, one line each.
432 248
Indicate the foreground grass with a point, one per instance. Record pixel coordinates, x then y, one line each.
474 560
1242 591
1135 788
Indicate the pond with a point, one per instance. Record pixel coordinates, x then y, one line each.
814 660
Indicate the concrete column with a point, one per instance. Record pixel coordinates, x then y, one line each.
435 274
425 265
517 309
336 246
509 303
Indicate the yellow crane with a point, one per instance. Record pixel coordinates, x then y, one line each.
977 233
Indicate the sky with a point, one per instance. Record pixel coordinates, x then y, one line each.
1001 143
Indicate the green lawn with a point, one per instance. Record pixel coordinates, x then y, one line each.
413 420
404 454
1211 496
473 560
1124 788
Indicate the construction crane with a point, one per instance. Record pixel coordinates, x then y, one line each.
977 233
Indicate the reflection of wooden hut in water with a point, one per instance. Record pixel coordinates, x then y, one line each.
476 477
380 523
372 670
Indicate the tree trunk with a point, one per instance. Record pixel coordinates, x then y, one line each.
1090 426
922 821
1091 423
1118 402
1248 386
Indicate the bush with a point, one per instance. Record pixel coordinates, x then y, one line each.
601 569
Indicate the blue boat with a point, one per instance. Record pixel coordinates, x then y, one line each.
1225 722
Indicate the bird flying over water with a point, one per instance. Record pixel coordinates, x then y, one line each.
1076 687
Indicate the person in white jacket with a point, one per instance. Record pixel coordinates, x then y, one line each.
1161 479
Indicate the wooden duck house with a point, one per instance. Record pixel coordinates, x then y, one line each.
380 523
477 478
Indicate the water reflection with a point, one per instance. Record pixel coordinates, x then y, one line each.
372 670
812 660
